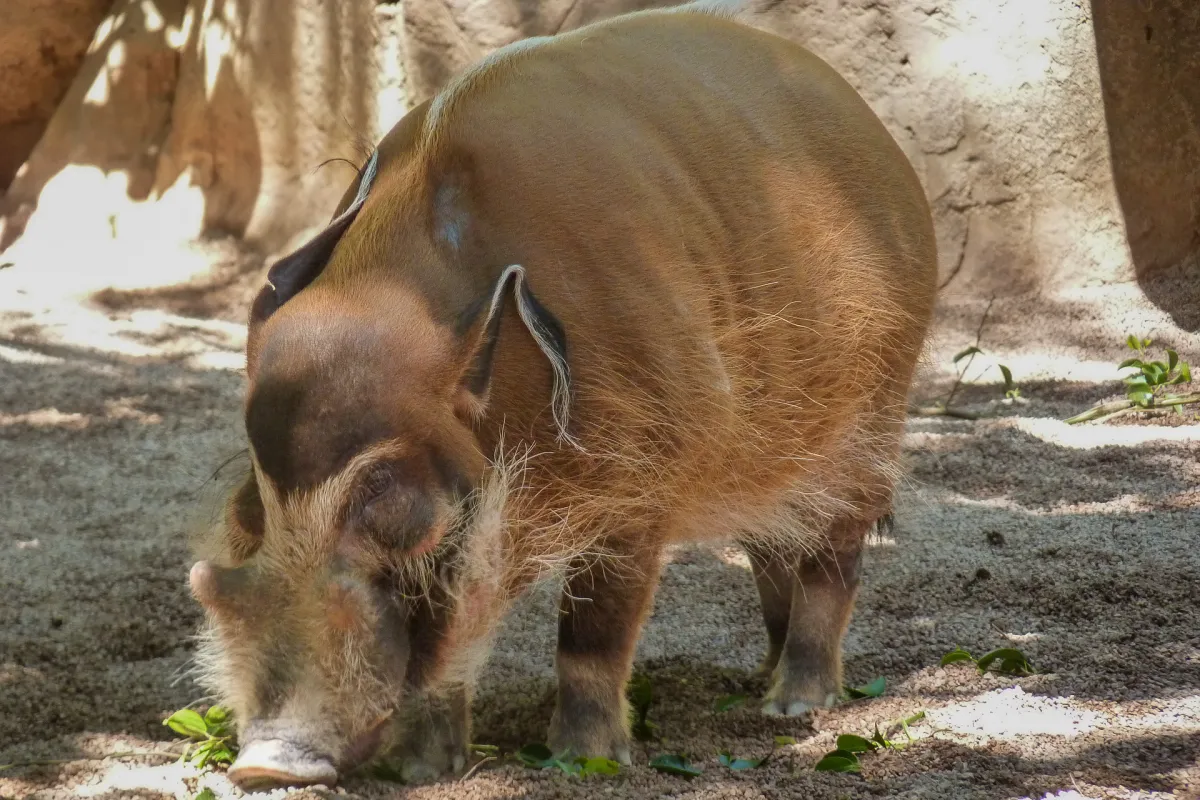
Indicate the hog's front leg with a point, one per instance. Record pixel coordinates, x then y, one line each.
434 735
601 614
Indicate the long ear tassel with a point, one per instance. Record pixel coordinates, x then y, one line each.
370 169
550 339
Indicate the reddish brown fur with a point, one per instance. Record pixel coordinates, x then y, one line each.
743 263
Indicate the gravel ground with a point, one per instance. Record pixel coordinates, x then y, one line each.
1076 544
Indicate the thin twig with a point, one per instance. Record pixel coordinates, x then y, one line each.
978 338
903 723
942 411
1106 410
477 765
54 761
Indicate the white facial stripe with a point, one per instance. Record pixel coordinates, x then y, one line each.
315 512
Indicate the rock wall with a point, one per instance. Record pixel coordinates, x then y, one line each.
1149 59
1038 134
226 107
1058 141
42 44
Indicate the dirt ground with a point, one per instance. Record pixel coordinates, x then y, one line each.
1076 544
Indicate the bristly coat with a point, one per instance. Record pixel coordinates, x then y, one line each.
661 279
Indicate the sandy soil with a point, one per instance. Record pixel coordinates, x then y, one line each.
1078 545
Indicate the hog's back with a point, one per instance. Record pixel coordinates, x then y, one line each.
741 256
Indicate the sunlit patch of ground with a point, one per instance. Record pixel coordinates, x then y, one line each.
1075 544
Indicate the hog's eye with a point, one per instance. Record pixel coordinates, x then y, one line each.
376 482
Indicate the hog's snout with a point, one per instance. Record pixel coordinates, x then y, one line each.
271 763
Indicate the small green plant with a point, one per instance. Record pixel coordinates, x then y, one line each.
539 756
1147 387
675 764
839 761
205 794
641 697
1148 384
849 746
211 735
1011 390
784 741
1005 661
944 408
873 689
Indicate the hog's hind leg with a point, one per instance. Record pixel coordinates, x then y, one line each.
601 613
807 601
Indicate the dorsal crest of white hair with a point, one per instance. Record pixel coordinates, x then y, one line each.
719 8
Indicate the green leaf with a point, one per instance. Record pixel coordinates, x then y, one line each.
1146 343
220 754
188 723
1007 373
970 351
839 761
956 655
1130 362
598 766
1132 343
727 760
784 741
484 749
205 794
674 765
1141 396
216 715
855 744
1185 372
728 702
536 755
1172 359
872 689
1006 660
203 753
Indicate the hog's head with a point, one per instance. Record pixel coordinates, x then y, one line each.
360 558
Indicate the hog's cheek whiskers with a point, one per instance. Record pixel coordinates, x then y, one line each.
349 665
230 667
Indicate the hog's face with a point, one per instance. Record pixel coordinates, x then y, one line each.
338 583
346 605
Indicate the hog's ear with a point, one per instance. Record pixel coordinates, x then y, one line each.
482 330
245 521
292 273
